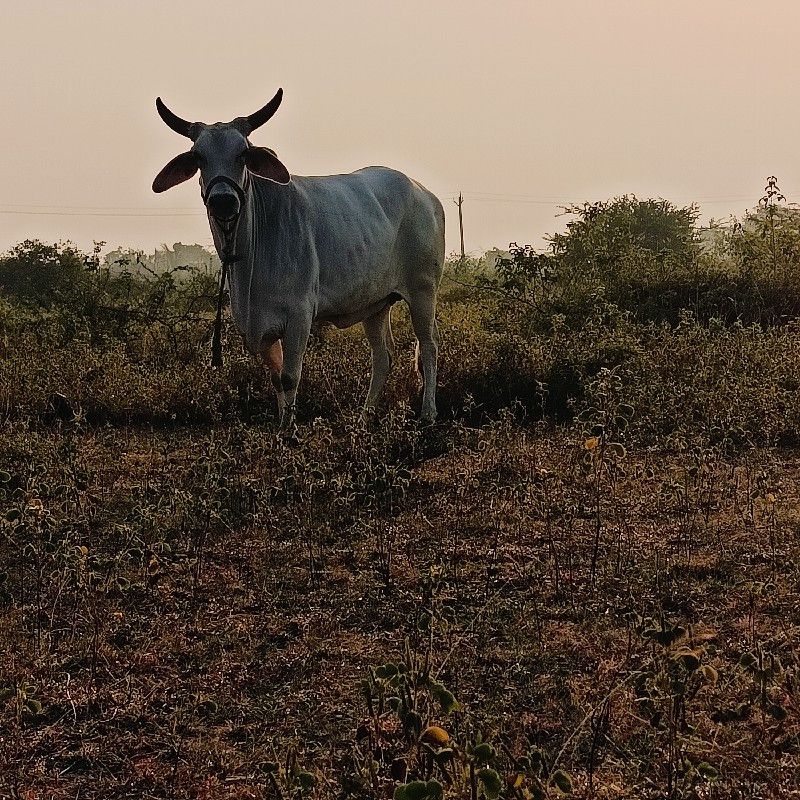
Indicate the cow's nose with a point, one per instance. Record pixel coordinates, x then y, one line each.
223 205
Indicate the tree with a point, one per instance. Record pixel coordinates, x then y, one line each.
43 275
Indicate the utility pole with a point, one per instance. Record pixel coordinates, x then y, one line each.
459 203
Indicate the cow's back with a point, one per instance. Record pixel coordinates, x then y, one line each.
376 233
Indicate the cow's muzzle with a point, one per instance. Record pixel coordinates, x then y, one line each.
223 204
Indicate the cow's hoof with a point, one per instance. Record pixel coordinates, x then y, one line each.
369 416
291 436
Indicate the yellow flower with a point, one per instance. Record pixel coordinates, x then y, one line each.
36 506
591 443
435 735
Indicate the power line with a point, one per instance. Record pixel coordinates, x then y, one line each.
98 214
480 197
548 199
93 208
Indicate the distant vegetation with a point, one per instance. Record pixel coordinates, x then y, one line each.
631 285
177 259
582 580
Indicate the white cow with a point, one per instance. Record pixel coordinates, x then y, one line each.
340 248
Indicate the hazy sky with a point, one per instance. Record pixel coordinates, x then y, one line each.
521 105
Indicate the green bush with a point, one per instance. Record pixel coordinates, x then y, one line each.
42 275
626 287
646 257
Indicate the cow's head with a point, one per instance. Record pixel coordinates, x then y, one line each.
224 157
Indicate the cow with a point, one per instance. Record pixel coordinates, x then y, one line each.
339 248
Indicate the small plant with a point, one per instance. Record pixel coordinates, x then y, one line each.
664 690
604 424
408 690
766 671
770 203
287 779
21 697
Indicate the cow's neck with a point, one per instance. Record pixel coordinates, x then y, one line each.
263 244
266 211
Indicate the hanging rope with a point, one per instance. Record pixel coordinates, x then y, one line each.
216 339
228 234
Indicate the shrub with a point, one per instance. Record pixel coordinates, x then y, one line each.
43 275
646 257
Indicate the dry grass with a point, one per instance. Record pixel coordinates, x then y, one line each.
228 616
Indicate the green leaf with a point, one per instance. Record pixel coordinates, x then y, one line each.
491 783
4 477
616 449
776 711
709 673
34 706
442 756
419 790
562 781
624 410
688 658
13 514
483 753
306 781
435 790
677 633
747 661
537 761
386 671
705 770
665 637
444 697
206 707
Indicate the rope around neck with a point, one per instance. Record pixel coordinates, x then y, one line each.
226 258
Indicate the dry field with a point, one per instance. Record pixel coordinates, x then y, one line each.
202 612
584 579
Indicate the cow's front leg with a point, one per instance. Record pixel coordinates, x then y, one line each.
294 348
273 361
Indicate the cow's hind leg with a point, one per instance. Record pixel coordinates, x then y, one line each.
423 320
273 361
378 329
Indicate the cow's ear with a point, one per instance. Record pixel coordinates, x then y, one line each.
263 162
180 169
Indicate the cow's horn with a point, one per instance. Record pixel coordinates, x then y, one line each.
177 124
262 115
